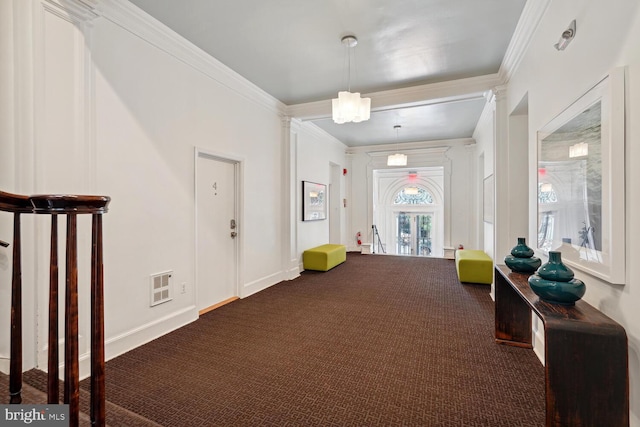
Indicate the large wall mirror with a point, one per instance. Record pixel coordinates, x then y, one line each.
581 182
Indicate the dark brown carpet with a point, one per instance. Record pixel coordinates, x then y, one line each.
378 340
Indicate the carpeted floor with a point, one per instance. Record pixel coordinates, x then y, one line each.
378 340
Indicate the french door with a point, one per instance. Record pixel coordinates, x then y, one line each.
414 233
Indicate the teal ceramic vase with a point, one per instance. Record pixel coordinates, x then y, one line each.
554 282
521 259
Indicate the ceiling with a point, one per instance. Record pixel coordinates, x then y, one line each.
291 49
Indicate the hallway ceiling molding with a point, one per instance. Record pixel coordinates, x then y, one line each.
425 65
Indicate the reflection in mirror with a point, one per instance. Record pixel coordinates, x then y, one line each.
570 188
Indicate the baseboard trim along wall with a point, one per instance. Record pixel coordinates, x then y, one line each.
263 283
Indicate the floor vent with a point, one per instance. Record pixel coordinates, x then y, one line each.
160 288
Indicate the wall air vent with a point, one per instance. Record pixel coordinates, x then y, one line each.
160 288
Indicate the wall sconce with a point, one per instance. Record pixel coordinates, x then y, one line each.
567 36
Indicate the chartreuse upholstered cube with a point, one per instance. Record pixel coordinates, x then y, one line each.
324 258
474 266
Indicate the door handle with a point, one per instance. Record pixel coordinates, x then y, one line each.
4 244
233 234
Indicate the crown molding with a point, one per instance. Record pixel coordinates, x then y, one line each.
411 147
530 18
76 11
428 94
132 19
313 130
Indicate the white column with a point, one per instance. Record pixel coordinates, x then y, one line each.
501 166
290 264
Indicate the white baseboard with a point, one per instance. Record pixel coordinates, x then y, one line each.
127 341
263 283
537 338
4 365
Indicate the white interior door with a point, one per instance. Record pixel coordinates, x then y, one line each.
216 230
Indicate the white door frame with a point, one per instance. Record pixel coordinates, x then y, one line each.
238 162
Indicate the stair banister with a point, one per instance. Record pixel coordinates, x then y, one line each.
71 206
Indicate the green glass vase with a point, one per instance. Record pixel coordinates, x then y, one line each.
554 282
521 259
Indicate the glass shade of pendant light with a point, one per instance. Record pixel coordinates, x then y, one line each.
397 159
350 107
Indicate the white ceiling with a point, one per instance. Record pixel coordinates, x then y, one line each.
291 49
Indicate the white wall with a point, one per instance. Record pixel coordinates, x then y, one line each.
484 136
316 151
607 36
7 173
151 111
459 189
143 99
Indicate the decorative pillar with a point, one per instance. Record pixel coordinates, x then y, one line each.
289 249
501 167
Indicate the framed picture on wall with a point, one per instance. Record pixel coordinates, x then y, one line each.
314 201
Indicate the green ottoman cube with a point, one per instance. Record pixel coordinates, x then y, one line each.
474 266
324 258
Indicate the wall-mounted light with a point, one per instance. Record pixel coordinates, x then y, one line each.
566 36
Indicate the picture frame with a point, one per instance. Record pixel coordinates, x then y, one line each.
314 201
580 188
488 199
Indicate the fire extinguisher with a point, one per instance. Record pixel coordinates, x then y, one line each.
359 238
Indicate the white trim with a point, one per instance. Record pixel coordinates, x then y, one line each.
537 337
140 24
314 130
418 147
266 282
530 18
128 340
427 94
238 162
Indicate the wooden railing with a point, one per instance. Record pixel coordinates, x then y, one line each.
71 206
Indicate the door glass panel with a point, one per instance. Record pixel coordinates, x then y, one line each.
403 234
414 233
423 235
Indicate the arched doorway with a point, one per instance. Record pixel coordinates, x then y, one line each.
408 211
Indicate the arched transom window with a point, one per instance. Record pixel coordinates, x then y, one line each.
413 196
546 193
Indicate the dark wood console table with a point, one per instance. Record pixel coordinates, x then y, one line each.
586 354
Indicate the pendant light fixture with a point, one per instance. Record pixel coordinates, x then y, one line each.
349 107
397 159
